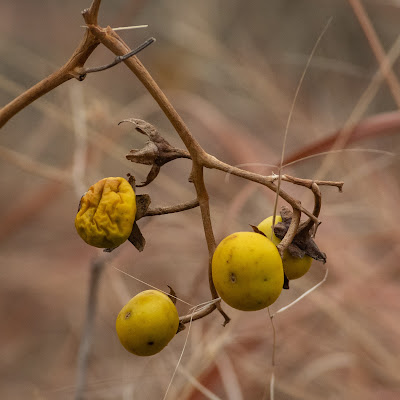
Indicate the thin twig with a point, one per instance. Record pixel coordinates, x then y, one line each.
291 232
291 114
303 295
124 28
118 59
307 225
309 182
200 311
71 69
212 162
172 209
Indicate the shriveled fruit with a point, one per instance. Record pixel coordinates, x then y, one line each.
106 213
247 271
294 267
147 323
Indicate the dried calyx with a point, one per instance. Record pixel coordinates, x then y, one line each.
156 152
302 244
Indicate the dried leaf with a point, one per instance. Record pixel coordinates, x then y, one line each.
302 244
155 169
132 181
147 155
156 152
136 238
142 205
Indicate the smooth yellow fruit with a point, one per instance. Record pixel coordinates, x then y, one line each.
147 323
247 271
107 213
294 267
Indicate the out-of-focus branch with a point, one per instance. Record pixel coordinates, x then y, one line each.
96 270
377 48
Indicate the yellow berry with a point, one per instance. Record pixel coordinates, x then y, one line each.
247 271
294 267
147 323
107 213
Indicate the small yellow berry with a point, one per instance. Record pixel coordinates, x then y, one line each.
147 323
294 267
247 271
107 213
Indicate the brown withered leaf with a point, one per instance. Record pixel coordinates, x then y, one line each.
131 181
136 238
142 205
156 152
302 243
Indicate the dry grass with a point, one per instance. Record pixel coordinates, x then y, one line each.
231 69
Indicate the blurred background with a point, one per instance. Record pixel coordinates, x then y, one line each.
231 69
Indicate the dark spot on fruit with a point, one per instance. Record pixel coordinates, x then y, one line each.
265 279
150 343
232 277
128 315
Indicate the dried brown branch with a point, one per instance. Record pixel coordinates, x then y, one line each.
114 43
197 314
267 181
73 68
200 158
291 232
307 225
172 209
308 183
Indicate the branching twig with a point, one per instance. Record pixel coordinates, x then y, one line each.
71 69
307 225
113 42
117 60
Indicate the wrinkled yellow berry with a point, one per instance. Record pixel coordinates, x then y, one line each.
294 267
107 212
147 323
247 271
